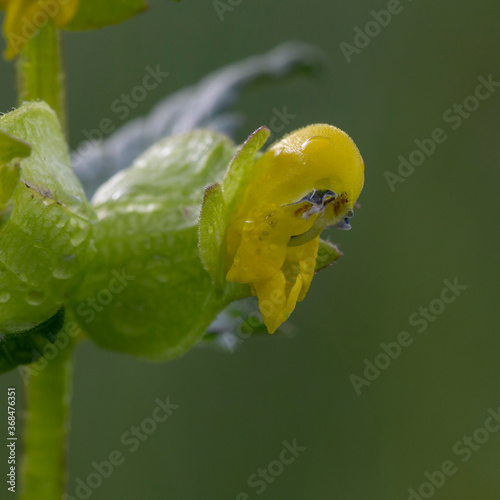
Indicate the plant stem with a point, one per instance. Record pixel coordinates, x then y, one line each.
40 73
45 429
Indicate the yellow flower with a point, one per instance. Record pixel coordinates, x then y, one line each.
23 18
306 182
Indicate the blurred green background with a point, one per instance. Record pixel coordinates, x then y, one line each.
236 409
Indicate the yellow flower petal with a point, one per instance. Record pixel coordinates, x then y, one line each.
317 157
23 18
275 306
262 241
301 261
307 181
279 293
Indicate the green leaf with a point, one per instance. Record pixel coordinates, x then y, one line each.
328 253
212 229
147 234
44 243
26 347
240 168
92 14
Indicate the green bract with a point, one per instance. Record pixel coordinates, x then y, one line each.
44 243
159 298
220 202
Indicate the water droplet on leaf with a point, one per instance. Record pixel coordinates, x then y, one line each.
35 297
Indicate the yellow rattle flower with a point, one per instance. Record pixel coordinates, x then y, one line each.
23 18
306 182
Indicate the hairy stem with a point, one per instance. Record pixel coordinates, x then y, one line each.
45 429
40 73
